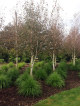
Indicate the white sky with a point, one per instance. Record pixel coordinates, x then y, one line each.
69 8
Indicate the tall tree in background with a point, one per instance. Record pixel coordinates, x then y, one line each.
16 39
33 28
72 43
54 37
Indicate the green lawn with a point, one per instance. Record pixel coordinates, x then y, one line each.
65 98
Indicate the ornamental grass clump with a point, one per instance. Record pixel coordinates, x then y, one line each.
13 74
22 64
11 64
55 80
48 68
4 81
27 86
40 74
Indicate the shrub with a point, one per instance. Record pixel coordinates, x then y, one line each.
29 87
27 70
1 60
62 73
19 59
11 64
55 80
75 67
20 65
38 65
78 67
40 74
48 68
4 81
78 61
63 66
4 67
22 77
2 71
13 74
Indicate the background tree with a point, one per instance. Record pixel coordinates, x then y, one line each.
72 43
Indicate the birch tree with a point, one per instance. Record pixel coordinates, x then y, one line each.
33 28
72 43
16 39
55 34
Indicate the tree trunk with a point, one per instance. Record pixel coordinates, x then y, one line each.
53 61
16 39
36 50
16 60
74 57
32 64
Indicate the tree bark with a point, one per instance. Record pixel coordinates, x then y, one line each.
53 61
36 50
16 60
74 58
32 64
16 39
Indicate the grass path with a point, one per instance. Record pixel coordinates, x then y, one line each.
65 98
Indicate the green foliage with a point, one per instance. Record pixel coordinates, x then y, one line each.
11 64
48 68
4 67
27 86
2 71
18 59
41 70
4 81
27 70
22 78
20 65
55 80
62 69
63 66
40 74
62 73
64 56
78 61
38 65
75 67
1 60
26 57
13 74
72 67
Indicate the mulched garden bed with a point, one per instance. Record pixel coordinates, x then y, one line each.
10 97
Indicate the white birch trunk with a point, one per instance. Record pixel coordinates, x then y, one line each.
36 50
53 61
16 39
32 64
16 60
74 57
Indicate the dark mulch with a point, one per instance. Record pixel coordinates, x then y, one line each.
10 97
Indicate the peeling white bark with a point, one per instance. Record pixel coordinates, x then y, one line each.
53 61
16 60
74 57
32 64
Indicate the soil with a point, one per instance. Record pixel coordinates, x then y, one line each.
10 97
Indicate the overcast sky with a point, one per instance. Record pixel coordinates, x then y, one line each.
69 8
